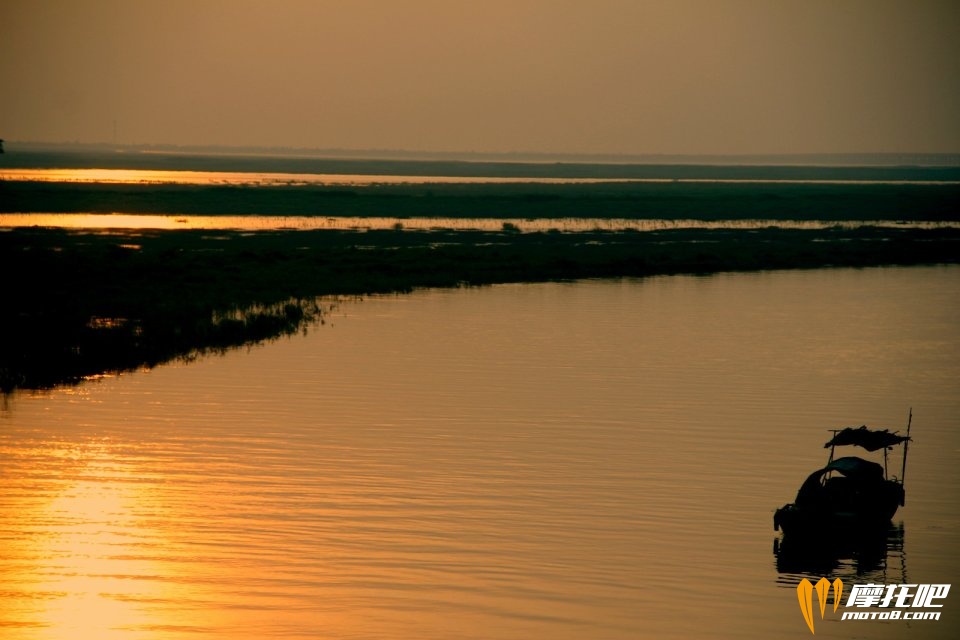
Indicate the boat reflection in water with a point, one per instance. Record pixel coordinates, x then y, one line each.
861 556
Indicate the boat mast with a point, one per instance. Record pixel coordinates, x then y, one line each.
906 446
828 474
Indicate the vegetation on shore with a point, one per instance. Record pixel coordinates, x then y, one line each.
629 200
82 303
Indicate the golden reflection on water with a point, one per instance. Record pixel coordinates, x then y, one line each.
567 461
95 593
525 225
146 176
115 542
85 583
261 178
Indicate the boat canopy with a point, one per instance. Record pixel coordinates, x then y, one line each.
869 439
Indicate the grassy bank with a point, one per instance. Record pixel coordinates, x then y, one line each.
82 303
631 200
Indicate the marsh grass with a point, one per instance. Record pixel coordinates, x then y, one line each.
627 200
80 303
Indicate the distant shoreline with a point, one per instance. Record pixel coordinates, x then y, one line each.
82 302
885 159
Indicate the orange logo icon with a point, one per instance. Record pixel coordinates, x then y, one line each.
805 594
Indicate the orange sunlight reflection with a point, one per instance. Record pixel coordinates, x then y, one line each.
264 178
95 589
86 565
113 539
107 221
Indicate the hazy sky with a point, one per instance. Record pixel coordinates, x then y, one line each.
593 76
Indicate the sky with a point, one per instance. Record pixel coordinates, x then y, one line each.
513 76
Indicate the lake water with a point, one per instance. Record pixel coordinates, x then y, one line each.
346 173
268 179
354 223
597 459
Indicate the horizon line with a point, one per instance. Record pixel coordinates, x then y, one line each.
451 155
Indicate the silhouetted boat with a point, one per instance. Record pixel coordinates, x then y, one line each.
849 494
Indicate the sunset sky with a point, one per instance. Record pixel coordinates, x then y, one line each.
605 76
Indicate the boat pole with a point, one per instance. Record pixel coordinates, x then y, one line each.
828 474
906 446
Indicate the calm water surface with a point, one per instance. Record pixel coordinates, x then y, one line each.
265 178
527 225
587 460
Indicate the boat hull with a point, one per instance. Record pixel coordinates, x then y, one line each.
794 520
848 494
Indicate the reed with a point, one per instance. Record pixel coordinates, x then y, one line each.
82 303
